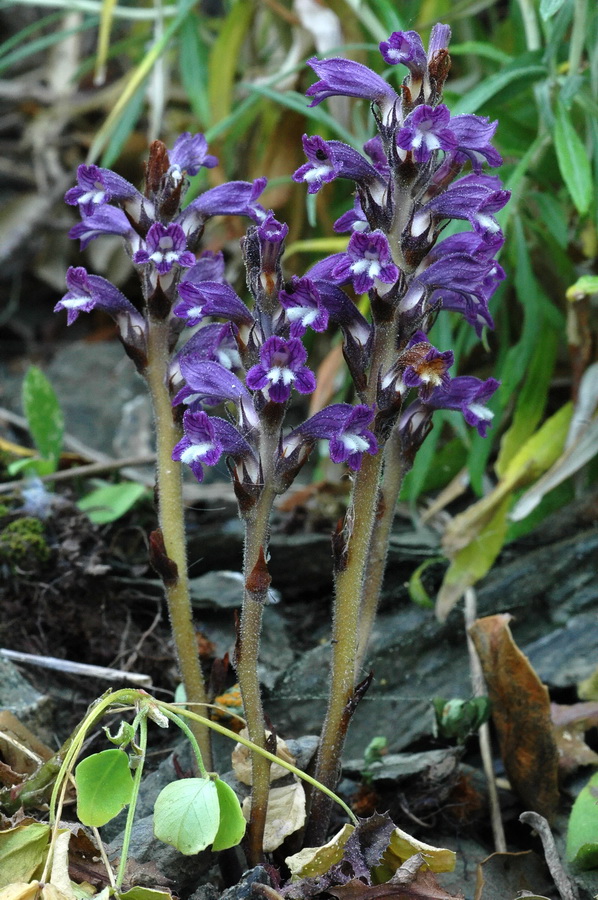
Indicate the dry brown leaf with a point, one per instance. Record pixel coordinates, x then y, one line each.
570 724
20 749
521 714
241 760
286 814
19 891
405 885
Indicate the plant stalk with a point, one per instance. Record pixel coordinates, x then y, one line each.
394 472
171 517
359 524
255 596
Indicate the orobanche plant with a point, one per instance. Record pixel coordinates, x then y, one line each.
225 391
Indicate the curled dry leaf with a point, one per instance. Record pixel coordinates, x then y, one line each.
286 814
313 861
570 725
241 760
521 714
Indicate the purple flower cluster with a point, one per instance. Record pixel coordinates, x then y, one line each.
250 359
408 184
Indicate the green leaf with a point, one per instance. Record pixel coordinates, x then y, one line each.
531 399
187 814
144 893
129 117
193 66
22 852
43 413
549 8
111 501
489 87
585 286
573 161
232 821
104 786
582 834
417 591
224 58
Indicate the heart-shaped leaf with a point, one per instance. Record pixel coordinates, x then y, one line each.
104 786
187 814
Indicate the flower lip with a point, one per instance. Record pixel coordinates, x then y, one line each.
345 427
281 367
165 246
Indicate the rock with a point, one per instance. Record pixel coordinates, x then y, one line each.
21 698
183 871
244 890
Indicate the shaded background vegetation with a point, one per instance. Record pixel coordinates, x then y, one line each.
92 81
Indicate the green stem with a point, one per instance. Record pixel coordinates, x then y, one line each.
578 35
171 517
191 738
239 739
248 648
372 587
133 803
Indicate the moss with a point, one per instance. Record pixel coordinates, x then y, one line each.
23 545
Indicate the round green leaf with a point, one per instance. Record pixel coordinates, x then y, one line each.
187 814
104 786
582 833
232 821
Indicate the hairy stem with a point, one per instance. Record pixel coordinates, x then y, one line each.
255 595
374 577
171 518
349 581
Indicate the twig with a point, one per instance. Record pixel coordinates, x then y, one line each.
565 886
75 668
479 690
89 470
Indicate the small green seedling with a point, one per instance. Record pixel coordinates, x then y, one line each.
460 718
45 420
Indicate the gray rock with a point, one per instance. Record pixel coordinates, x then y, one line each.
19 697
243 890
183 871
567 656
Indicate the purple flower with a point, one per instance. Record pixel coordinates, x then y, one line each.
353 220
426 367
405 47
206 438
345 426
473 134
209 267
210 298
281 367
469 395
426 129
439 40
87 292
235 198
303 306
189 154
475 198
96 187
210 381
375 150
346 78
199 445
104 220
328 160
367 260
271 235
166 246
215 342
